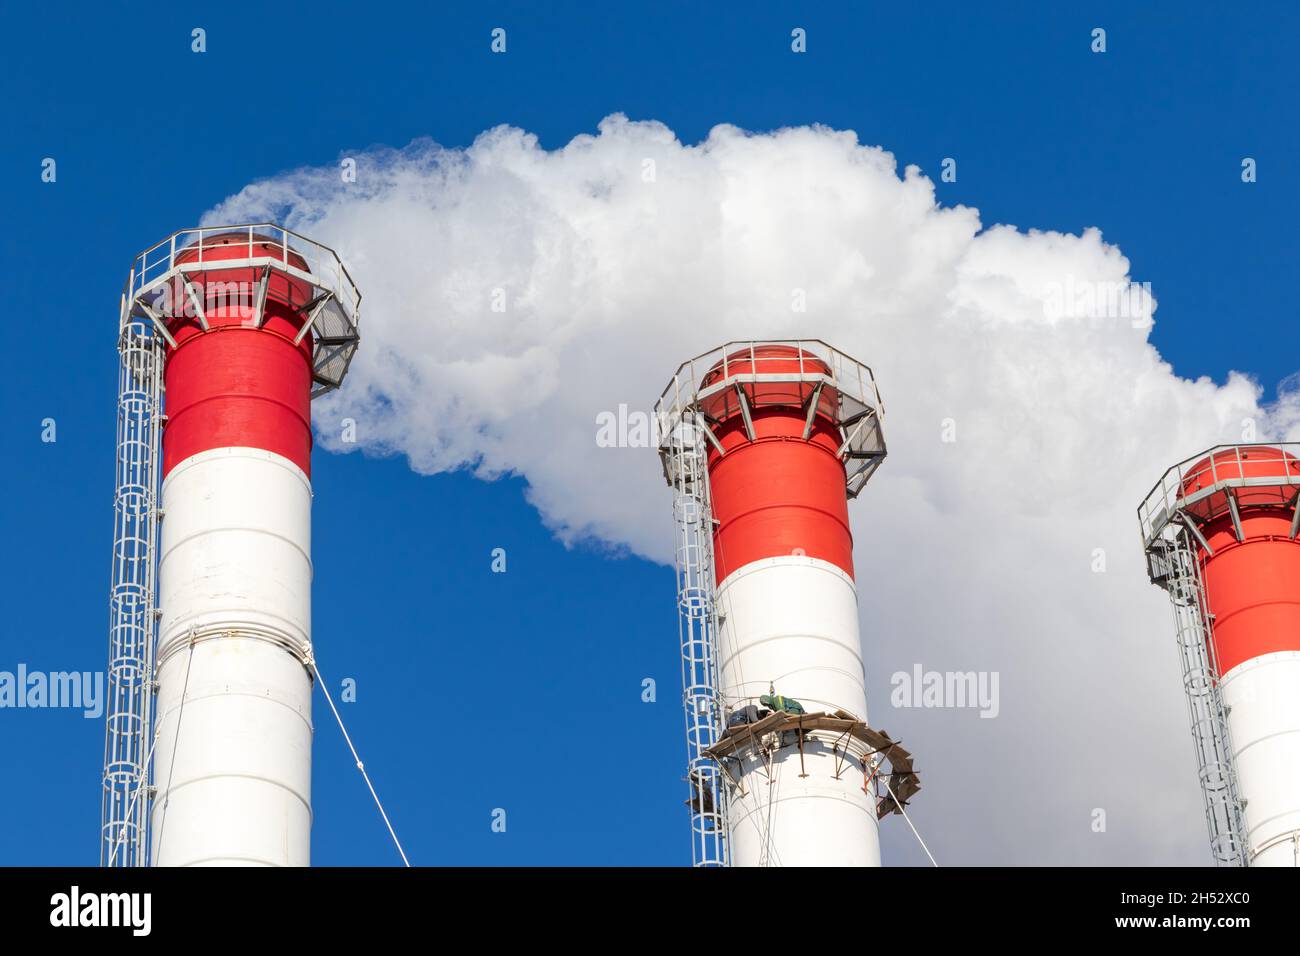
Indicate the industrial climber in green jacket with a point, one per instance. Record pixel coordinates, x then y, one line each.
787 705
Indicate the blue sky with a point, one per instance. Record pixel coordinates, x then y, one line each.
522 690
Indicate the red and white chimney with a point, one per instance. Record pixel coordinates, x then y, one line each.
781 435
1222 535
256 321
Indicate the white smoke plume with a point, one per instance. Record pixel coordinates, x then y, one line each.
622 254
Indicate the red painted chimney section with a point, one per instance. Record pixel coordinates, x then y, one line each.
778 493
238 385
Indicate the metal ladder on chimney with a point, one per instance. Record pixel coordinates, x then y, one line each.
1210 737
688 474
133 599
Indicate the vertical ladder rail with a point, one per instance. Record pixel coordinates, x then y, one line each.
1209 725
132 628
701 702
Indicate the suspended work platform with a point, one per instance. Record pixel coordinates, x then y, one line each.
853 739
